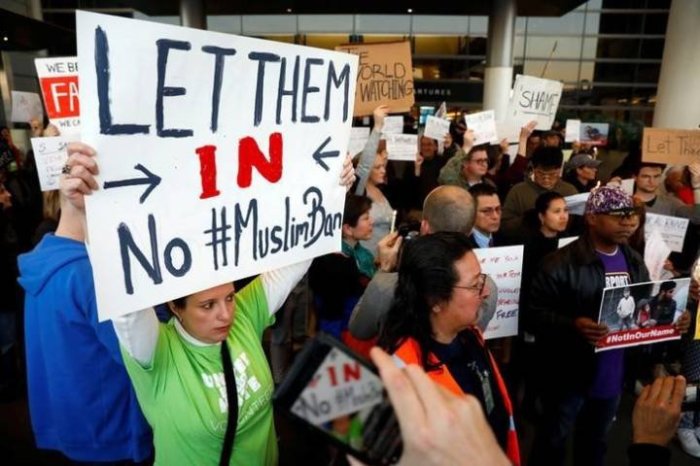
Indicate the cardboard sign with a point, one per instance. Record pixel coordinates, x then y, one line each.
504 265
645 316
58 78
671 146
402 147
207 176
340 387
594 134
484 126
436 128
384 76
50 155
393 125
25 106
656 252
534 99
672 229
573 130
358 139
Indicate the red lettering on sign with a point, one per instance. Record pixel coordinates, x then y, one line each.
207 171
61 96
351 372
249 156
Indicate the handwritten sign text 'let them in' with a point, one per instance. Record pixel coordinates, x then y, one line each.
219 156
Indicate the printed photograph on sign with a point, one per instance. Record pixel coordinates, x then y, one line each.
595 134
643 313
504 266
211 176
384 76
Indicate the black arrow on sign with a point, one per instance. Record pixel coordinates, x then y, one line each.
319 155
151 180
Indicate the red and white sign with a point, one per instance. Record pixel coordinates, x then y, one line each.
58 78
639 336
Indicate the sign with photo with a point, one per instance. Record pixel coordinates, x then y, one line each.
643 313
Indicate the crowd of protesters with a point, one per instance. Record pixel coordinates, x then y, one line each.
154 386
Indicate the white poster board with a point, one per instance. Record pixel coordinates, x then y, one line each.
573 130
358 139
484 126
50 156
672 229
656 252
58 78
393 125
566 240
207 176
534 99
504 265
25 106
577 203
436 128
402 147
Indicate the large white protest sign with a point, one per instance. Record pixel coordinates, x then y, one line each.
58 78
50 156
340 387
566 240
436 128
672 229
358 138
393 125
534 99
219 156
484 126
402 147
25 106
504 265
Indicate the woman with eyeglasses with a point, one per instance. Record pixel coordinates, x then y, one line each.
433 324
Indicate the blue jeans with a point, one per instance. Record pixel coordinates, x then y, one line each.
587 418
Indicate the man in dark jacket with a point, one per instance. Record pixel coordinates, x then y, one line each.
581 387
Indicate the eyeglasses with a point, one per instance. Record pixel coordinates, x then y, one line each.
480 161
549 174
478 287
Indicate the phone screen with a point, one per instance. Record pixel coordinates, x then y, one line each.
347 401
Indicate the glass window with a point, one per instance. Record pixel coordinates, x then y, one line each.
541 47
590 48
478 24
618 48
570 23
433 45
566 71
326 41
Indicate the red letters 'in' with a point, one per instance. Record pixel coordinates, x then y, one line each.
207 171
249 156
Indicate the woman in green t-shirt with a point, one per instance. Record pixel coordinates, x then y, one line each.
177 368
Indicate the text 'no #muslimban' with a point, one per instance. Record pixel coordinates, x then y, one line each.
219 156
504 265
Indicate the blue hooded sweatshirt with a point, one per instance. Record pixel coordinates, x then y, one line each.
80 397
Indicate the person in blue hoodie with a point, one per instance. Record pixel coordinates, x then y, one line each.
81 400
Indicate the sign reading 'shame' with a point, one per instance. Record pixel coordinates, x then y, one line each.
219 156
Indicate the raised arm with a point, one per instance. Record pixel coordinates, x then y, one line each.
369 153
137 332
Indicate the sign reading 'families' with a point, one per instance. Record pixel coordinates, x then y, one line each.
58 78
534 99
384 76
219 156
643 313
504 265
671 146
